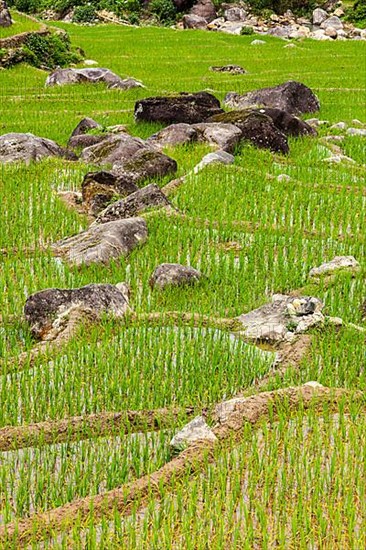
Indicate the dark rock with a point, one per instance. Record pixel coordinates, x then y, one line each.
232 69
44 308
27 147
115 148
149 197
85 125
281 319
183 5
289 124
293 97
258 128
5 17
83 141
175 134
173 275
147 163
102 243
93 75
99 188
205 9
224 136
184 107
194 22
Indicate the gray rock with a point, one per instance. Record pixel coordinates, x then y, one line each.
175 134
232 69
191 21
235 13
281 319
205 9
339 126
225 409
334 22
150 196
102 243
5 17
257 42
219 134
27 147
331 32
81 142
319 16
61 77
220 157
115 148
144 164
293 97
196 430
348 263
231 27
356 132
43 308
184 107
167 275
280 32
99 188
85 125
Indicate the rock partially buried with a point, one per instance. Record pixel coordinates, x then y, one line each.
166 275
222 135
27 147
288 124
258 128
281 319
103 243
293 97
43 309
196 430
184 107
231 69
175 134
339 263
219 157
84 126
62 77
5 17
150 196
99 188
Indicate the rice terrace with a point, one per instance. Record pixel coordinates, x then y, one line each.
182 282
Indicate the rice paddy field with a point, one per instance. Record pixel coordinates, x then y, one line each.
294 479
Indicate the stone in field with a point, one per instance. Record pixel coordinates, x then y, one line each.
102 243
175 134
146 163
288 124
219 134
191 21
196 430
115 148
43 309
16 147
81 142
348 263
220 157
85 125
5 17
184 107
166 275
99 188
356 132
256 127
293 97
281 319
150 196
231 69
62 77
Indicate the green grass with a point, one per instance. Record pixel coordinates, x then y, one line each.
21 23
252 236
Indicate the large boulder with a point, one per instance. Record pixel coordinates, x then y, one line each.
166 275
184 107
258 128
332 23
282 319
288 124
44 309
319 16
115 148
150 196
5 17
145 164
81 142
102 243
27 147
293 97
204 9
235 14
191 21
99 188
94 75
175 134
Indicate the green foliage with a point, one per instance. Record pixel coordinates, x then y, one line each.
164 10
357 14
51 51
246 30
84 14
280 6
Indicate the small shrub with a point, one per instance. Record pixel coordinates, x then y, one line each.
164 10
357 14
50 51
246 31
84 14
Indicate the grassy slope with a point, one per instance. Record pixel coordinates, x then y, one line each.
288 228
